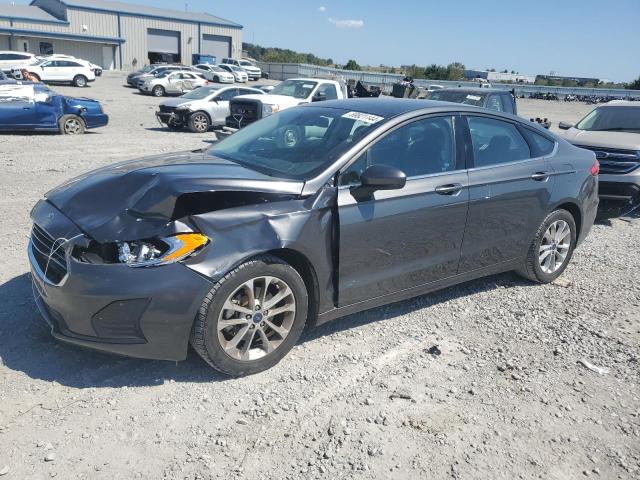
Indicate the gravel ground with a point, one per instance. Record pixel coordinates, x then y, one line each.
483 380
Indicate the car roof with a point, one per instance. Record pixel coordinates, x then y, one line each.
621 103
393 107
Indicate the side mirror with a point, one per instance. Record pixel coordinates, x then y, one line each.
380 177
319 97
565 126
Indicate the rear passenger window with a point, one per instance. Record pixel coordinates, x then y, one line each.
496 142
540 145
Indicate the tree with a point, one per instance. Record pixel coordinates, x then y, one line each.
635 85
455 71
352 65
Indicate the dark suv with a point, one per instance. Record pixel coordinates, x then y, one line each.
491 98
302 217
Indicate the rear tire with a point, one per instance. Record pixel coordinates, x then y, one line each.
80 81
257 346
71 125
551 249
199 122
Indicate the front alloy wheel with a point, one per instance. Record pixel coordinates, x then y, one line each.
256 318
252 317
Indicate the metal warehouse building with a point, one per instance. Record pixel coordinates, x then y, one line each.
116 35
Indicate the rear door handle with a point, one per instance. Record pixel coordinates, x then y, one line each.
539 176
449 189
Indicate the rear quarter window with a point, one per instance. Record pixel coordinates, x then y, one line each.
540 145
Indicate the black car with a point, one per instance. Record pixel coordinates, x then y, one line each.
303 217
491 98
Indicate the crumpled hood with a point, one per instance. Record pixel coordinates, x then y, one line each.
176 102
621 140
137 198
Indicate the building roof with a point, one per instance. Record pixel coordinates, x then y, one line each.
143 10
27 12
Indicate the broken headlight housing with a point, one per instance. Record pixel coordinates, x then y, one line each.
151 253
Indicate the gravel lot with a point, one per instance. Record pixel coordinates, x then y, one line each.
503 396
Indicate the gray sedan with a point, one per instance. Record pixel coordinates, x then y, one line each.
303 217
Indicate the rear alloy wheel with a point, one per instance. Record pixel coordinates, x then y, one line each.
80 81
199 122
158 91
252 317
71 125
551 249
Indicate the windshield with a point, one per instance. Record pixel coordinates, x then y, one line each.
297 143
244 63
235 69
200 93
475 99
612 119
294 88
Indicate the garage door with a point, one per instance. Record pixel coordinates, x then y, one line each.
216 45
163 41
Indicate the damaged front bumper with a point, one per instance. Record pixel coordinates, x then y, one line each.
137 312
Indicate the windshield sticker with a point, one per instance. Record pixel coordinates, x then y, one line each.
474 97
363 117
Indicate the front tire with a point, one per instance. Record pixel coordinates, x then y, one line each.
80 81
71 125
199 122
252 317
551 249
158 91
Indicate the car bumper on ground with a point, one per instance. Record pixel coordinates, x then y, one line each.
138 312
95 120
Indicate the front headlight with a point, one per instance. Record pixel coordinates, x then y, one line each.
151 253
269 110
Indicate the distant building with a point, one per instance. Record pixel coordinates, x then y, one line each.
116 35
499 76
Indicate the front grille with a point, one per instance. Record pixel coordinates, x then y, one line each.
49 254
243 112
614 160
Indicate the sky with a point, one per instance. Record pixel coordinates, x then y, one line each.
570 37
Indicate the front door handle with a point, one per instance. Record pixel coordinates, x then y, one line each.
449 189
539 176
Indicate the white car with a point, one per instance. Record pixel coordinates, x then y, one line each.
254 73
215 74
10 60
173 83
97 69
75 72
239 74
202 108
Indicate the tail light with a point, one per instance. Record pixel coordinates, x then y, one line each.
595 168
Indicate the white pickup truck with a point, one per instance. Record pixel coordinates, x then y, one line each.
247 109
